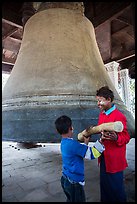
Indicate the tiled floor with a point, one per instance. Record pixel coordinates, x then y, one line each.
33 175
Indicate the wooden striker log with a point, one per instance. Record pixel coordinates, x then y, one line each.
110 126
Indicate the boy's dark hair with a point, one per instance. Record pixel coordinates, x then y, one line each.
63 123
105 92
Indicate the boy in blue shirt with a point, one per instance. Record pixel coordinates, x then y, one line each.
73 154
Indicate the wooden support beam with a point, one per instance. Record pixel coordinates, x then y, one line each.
11 23
11 32
123 20
15 40
111 11
121 30
124 58
12 44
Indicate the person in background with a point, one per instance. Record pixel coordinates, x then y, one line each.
73 154
113 159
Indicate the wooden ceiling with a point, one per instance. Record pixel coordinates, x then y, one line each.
114 24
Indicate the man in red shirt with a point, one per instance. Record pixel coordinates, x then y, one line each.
113 160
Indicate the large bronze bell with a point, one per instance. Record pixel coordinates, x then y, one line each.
57 72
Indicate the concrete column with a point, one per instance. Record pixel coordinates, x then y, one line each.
112 69
125 93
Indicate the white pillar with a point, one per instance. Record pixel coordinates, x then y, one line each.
125 86
112 68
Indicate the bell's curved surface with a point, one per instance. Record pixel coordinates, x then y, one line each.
57 72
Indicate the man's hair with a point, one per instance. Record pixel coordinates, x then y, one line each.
63 123
105 92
